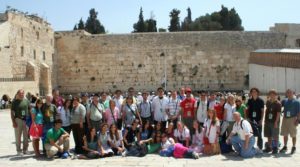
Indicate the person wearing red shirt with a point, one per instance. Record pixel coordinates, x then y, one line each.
188 109
220 108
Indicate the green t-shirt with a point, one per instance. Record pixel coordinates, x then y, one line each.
105 104
241 110
153 148
54 135
49 113
20 108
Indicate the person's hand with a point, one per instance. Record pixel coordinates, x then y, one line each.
95 152
102 153
245 146
141 142
15 125
228 141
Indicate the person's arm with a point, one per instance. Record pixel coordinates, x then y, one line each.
12 117
146 141
139 117
81 117
262 114
53 143
225 114
88 116
123 114
100 147
246 142
85 145
125 137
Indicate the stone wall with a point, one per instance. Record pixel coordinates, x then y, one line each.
11 88
25 40
292 32
201 60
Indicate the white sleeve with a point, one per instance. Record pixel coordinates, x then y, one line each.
176 133
205 123
247 127
187 133
234 128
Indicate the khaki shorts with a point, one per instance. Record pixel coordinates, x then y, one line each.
270 131
288 127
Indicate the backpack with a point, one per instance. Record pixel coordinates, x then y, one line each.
254 126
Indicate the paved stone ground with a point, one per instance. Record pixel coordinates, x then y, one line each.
8 156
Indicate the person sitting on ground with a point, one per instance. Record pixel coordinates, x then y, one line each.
170 130
197 137
182 134
242 137
116 140
105 149
131 135
91 145
211 133
56 137
146 130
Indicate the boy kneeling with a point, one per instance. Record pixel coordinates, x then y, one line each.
56 137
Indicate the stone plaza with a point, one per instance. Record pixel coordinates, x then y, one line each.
8 156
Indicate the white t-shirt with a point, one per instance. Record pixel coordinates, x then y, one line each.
201 111
182 135
64 116
167 144
246 130
159 107
230 110
212 133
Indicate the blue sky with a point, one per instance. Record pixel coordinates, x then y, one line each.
118 16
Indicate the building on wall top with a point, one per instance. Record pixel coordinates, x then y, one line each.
275 69
26 52
292 32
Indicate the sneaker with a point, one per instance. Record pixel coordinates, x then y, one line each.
124 153
195 155
293 150
267 150
258 151
26 152
64 155
19 153
275 150
283 150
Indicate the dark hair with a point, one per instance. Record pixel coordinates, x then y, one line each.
118 91
254 89
160 88
57 121
150 128
116 132
88 136
76 98
193 130
36 102
65 104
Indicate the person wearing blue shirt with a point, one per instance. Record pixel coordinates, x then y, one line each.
291 117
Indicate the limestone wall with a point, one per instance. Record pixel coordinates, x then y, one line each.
27 39
201 60
11 88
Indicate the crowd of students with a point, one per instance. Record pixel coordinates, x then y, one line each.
180 125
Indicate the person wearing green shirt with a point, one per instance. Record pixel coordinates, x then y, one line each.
55 138
240 107
19 111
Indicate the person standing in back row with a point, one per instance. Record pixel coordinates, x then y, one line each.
188 109
256 113
202 107
159 107
290 121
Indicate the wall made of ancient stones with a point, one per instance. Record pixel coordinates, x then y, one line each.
201 60
29 40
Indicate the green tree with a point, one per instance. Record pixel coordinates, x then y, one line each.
140 25
162 30
174 20
80 25
93 25
186 24
150 24
75 27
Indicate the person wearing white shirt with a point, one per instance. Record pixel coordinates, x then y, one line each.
173 109
159 106
201 106
65 115
212 101
182 134
118 98
229 109
242 138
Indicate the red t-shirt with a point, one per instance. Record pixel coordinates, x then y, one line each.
219 111
188 108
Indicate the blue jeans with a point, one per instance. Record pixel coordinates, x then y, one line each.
238 145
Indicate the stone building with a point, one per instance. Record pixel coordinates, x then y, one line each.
36 58
26 51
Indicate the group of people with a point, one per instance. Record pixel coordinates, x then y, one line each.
177 124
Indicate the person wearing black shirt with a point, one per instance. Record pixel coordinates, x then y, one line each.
256 113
